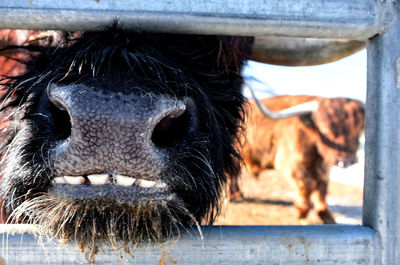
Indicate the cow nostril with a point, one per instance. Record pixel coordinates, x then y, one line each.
61 121
171 129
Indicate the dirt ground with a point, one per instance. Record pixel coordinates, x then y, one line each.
268 200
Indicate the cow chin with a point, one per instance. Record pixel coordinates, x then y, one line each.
90 211
90 222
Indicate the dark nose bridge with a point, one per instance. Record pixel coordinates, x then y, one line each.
110 131
91 110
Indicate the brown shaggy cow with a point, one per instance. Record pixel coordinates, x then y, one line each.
303 147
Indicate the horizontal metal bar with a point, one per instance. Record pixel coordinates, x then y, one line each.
355 19
329 244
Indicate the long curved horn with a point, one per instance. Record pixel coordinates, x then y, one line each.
302 51
300 109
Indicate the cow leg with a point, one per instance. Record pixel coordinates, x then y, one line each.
253 168
303 186
234 192
302 202
291 166
320 205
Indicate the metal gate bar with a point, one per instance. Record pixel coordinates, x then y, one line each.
382 181
328 245
355 19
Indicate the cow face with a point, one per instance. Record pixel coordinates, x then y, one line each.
121 137
339 123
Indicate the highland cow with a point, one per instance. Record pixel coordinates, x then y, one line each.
302 147
121 137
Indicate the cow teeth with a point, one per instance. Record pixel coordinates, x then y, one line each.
98 179
59 180
146 183
124 180
160 185
74 180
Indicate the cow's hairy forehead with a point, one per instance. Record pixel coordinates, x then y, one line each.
174 64
339 117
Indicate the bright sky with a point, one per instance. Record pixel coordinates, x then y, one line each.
344 78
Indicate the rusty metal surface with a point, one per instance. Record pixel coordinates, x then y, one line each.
330 244
356 19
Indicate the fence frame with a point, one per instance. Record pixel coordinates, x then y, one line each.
377 241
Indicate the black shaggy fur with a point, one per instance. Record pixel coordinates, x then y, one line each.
204 68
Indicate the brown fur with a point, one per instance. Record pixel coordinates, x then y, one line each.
10 59
303 148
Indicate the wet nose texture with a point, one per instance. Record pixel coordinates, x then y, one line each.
106 131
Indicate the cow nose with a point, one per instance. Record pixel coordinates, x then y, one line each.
102 131
348 161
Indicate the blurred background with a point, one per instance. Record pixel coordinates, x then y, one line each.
268 199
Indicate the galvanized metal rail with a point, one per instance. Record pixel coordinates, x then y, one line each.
328 245
355 19
378 21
